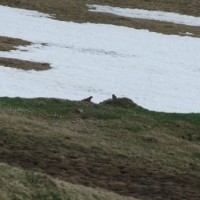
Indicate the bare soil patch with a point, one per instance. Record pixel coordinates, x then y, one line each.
76 10
7 43
97 168
24 64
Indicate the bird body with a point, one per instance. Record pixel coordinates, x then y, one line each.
114 97
87 99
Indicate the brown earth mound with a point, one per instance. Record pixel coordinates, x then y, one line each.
120 102
7 44
23 64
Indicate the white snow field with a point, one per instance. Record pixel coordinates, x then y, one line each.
147 14
159 72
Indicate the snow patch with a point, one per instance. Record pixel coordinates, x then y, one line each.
147 14
157 71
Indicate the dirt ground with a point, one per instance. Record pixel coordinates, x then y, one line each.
24 64
7 44
99 169
76 10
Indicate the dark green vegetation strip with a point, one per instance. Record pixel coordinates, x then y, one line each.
118 109
116 145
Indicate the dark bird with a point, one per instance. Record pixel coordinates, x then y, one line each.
114 97
88 99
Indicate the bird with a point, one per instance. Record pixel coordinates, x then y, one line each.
88 99
114 97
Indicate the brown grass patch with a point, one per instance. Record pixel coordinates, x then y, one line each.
23 64
7 43
76 10
89 153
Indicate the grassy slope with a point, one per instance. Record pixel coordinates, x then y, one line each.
118 146
21 184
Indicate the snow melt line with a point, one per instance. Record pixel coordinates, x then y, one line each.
147 14
159 72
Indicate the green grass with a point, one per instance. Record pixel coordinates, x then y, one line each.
19 184
185 126
57 108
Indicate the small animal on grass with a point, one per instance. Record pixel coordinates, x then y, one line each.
114 97
88 99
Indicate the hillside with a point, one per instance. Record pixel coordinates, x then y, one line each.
55 146
117 146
